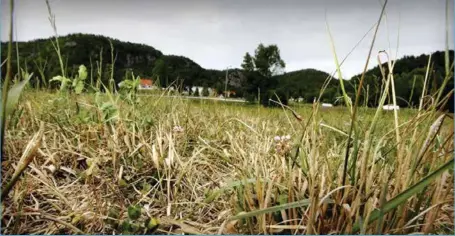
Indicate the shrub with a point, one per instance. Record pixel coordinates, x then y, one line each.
278 95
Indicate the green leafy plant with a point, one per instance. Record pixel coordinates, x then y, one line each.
63 81
134 212
129 87
109 111
78 81
132 224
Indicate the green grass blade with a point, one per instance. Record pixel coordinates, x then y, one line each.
281 207
334 129
218 192
381 209
340 75
446 53
13 95
402 197
354 108
301 203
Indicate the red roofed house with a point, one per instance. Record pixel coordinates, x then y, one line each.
146 84
229 93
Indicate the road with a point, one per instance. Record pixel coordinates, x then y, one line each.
200 98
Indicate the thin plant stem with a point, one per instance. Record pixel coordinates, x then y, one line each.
354 112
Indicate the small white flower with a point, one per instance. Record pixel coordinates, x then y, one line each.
51 168
168 161
178 129
147 207
288 137
277 138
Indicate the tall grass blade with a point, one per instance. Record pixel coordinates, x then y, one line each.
354 111
13 95
216 193
405 195
301 203
8 77
26 159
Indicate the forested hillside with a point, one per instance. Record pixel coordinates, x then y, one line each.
96 53
307 84
409 75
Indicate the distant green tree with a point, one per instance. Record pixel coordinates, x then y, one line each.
205 91
160 71
248 64
196 93
259 71
219 87
267 60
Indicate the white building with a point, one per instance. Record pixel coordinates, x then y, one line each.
327 105
200 89
390 107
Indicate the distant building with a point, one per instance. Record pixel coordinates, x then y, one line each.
200 89
299 99
327 105
390 107
146 84
229 93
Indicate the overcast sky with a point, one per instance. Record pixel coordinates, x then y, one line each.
217 33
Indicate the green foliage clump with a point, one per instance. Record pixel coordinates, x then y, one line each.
259 72
196 93
135 222
205 91
77 83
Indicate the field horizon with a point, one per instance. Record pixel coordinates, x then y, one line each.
85 150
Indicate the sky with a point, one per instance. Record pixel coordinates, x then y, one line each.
216 34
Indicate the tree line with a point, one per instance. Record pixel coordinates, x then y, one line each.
259 78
